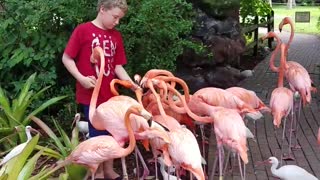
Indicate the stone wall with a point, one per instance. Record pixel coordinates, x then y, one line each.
220 31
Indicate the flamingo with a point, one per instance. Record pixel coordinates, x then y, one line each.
281 103
289 172
183 144
19 148
297 76
251 98
110 114
96 150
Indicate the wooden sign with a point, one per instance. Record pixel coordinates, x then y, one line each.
302 16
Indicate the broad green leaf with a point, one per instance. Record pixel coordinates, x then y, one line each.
14 166
42 107
49 152
38 176
4 102
63 134
76 171
74 138
28 168
50 133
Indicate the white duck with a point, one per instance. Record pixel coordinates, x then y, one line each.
19 148
289 172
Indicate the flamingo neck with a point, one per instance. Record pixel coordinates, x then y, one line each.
95 93
273 55
186 108
132 140
291 36
282 66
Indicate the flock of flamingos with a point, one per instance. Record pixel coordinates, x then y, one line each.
163 118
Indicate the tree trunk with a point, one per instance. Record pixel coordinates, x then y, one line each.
289 4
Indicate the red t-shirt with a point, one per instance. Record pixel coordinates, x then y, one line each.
84 38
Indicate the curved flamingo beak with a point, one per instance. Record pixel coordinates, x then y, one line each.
35 131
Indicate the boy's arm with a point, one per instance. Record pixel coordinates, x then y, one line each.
85 81
122 73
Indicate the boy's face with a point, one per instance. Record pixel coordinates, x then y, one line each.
111 17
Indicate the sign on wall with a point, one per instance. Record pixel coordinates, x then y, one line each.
302 16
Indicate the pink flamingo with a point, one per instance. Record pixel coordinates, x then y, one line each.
251 98
297 76
183 151
96 150
220 97
110 115
281 102
228 127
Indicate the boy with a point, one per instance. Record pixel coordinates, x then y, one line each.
77 54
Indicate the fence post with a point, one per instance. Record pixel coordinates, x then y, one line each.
256 34
270 26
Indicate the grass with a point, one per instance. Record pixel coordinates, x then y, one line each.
281 11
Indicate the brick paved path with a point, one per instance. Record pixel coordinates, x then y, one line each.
305 49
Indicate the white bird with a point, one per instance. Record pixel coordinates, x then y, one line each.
19 148
83 126
165 175
289 172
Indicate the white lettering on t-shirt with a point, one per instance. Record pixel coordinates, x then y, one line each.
109 49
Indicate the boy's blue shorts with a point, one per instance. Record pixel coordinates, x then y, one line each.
92 131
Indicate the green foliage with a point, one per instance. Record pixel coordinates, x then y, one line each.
251 8
155 33
63 146
33 36
17 110
18 167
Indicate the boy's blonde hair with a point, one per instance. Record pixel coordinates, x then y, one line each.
109 4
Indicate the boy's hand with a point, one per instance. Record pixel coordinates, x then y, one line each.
88 82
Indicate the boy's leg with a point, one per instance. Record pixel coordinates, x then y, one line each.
109 171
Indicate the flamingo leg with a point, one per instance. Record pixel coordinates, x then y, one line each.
289 155
156 167
282 140
144 165
203 145
124 168
213 171
226 163
137 162
221 153
296 125
240 166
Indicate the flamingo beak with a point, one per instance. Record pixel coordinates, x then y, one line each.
35 131
150 122
259 163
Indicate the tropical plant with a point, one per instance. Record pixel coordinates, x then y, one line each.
251 8
19 168
153 42
62 146
16 111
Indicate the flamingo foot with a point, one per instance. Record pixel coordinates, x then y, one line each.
288 157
